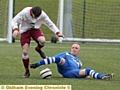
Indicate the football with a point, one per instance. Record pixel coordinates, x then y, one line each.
45 73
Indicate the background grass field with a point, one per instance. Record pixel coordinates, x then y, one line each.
103 58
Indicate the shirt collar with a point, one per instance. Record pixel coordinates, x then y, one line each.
31 12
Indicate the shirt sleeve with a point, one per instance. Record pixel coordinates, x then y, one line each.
50 24
17 19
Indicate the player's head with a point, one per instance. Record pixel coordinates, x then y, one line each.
36 11
75 49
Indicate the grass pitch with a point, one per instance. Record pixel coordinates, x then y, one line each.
103 58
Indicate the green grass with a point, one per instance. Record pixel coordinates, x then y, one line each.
103 58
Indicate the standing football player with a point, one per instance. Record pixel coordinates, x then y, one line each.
27 23
69 66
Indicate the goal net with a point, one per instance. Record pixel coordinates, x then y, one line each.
89 20
6 11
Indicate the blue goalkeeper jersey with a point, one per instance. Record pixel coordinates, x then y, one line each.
72 62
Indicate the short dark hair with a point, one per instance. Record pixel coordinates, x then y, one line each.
36 10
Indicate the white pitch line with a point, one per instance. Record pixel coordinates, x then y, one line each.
65 47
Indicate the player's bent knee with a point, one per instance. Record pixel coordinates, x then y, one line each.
82 72
42 43
41 40
25 52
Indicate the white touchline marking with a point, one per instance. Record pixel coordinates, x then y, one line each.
95 48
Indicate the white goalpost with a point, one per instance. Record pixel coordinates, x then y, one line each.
89 21
6 14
